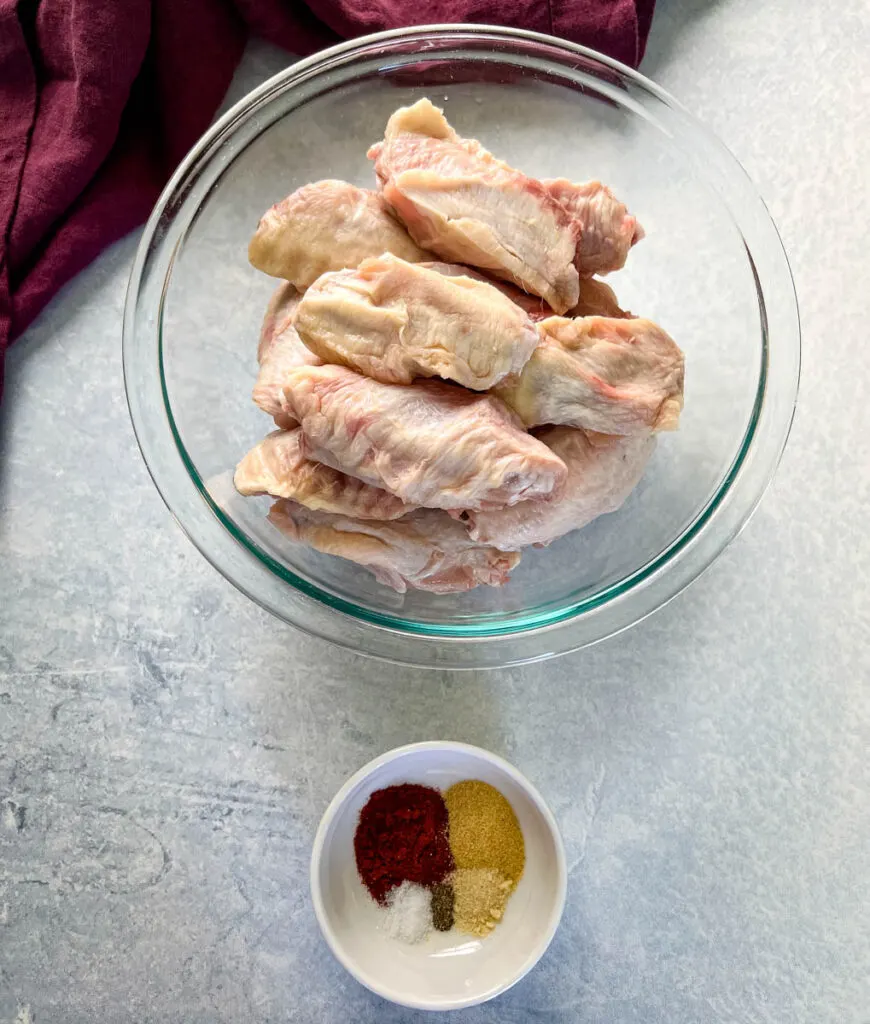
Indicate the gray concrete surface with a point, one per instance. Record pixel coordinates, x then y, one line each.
166 748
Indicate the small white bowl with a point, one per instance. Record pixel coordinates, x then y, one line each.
446 971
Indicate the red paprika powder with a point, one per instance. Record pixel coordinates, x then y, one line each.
401 836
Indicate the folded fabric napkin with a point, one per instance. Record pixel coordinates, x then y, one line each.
99 101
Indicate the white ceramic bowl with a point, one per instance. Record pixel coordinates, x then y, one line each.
446 971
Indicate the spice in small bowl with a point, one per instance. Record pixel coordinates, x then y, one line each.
489 852
442 906
436 862
402 836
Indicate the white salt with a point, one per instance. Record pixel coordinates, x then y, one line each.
408 916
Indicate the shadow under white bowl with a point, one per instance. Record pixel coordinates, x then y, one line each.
447 970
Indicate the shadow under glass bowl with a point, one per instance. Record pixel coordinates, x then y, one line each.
711 271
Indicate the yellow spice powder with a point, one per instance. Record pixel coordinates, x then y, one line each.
483 830
479 898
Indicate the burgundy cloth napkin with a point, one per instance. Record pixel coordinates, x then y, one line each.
100 99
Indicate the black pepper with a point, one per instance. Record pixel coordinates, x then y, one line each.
442 906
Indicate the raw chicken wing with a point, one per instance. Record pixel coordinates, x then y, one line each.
597 299
605 229
394 321
280 350
426 549
459 201
602 374
602 471
278 467
326 226
429 443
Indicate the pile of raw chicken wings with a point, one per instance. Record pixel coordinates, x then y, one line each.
450 381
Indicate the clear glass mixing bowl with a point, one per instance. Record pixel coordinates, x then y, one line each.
711 270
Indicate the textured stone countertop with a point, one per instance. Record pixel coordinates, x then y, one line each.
162 739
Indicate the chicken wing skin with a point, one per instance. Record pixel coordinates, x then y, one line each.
605 229
533 306
278 466
597 299
280 350
602 471
430 444
459 201
426 549
394 321
326 226
607 375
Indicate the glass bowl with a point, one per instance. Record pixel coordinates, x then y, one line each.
711 271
